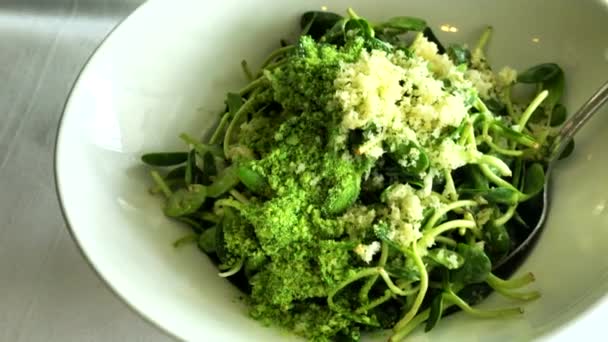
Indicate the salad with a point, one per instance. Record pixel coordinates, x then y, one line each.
368 177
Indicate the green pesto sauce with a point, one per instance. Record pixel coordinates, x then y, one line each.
297 235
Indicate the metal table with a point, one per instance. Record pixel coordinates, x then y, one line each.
47 290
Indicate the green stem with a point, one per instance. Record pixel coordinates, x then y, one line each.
428 236
523 120
234 270
485 128
359 275
502 220
504 151
367 286
351 13
523 296
238 196
401 333
444 209
446 240
485 169
509 102
475 230
485 115
211 217
246 71
389 283
229 202
514 283
497 163
276 53
237 117
201 148
388 294
252 86
452 297
168 182
364 292
185 240
219 129
471 136
276 64
190 222
424 285
160 183
450 188
514 136
464 134
483 40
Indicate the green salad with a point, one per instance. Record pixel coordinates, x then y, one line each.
368 178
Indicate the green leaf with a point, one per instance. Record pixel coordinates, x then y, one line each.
479 180
460 55
511 134
495 195
497 239
445 257
568 150
177 173
234 103
165 158
517 173
209 169
495 106
402 272
534 180
539 73
476 268
252 179
185 201
201 148
207 241
377 44
339 198
555 87
190 167
475 293
559 114
220 243
318 23
404 24
336 32
197 228
435 313
359 26
502 196
225 181
186 240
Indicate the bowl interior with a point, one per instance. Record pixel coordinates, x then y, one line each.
166 70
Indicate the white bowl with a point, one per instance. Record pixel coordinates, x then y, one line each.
166 69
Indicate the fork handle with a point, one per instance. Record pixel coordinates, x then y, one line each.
580 118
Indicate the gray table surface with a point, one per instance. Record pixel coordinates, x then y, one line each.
47 290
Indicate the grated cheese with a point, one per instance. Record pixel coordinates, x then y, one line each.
367 252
